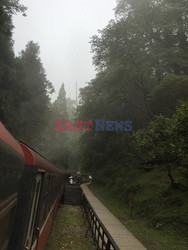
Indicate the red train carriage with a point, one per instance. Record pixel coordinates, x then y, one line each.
41 191
30 191
11 170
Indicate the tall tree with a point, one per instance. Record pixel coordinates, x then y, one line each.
60 104
56 142
7 71
140 57
34 90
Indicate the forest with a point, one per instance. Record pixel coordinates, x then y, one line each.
141 60
25 104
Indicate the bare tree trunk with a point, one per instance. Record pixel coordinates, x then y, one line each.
173 183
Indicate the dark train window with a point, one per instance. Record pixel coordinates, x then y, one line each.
33 214
6 223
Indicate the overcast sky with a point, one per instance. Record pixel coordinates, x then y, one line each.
63 29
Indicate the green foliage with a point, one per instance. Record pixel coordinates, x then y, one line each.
7 70
31 101
141 58
23 85
141 61
60 104
71 108
179 131
55 143
61 147
10 7
154 142
171 90
25 91
154 213
164 141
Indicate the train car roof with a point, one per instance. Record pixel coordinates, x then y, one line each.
34 158
6 137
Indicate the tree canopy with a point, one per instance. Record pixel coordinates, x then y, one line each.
141 59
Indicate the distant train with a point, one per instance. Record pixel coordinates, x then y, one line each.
30 191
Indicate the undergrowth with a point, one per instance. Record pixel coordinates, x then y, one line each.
150 207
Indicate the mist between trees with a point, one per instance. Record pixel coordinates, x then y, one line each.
142 75
141 60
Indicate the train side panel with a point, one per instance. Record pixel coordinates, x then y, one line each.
40 194
30 192
11 171
45 222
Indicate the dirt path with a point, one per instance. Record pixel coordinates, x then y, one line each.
69 230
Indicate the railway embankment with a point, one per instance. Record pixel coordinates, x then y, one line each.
69 231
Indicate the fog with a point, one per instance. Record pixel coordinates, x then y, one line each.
63 30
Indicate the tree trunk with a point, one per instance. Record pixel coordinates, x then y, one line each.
173 183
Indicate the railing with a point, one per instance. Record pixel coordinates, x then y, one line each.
101 236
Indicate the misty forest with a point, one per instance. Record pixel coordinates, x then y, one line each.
141 60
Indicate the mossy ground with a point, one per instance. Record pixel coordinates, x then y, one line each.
69 230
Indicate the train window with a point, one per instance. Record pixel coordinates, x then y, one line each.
46 179
49 179
30 230
7 211
42 215
5 226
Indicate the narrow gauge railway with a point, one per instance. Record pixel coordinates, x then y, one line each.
30 191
